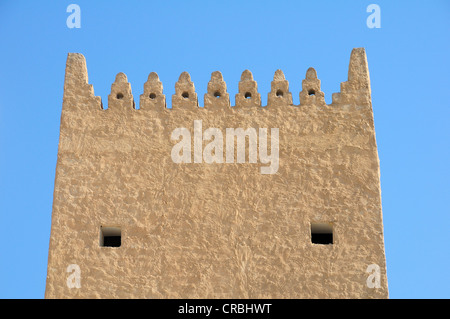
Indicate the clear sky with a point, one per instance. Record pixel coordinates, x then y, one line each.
410 77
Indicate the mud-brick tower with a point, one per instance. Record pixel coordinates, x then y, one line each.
130 220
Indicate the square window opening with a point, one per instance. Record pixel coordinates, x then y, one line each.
322 233
110 236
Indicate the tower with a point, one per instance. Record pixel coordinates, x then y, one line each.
220 201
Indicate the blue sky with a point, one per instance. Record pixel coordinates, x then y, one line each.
409 69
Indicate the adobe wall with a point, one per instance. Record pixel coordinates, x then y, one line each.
216 230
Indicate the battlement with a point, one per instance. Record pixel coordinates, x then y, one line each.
355 91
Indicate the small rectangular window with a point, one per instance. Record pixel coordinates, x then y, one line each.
322 233
110 236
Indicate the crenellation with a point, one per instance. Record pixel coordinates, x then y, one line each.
76 72
153 97
354 91
185 95
279 94
217 95
78 93
311 93
121 97
248 91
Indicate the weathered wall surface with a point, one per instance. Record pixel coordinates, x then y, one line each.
197 230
